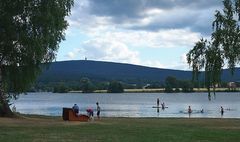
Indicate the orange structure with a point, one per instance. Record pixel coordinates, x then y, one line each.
68 114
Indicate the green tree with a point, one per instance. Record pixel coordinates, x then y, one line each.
168 89
115 87
101 85
31 31
60 88
86 85
186 86
170 83
224 47
206 56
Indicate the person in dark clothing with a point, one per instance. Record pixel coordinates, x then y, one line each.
75 109
158 101
98 110
189 110
222 110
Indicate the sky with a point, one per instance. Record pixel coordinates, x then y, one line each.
154 33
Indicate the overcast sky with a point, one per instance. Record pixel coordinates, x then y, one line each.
155 33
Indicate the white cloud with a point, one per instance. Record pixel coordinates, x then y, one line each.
145 15
180 64
70 55
153 63
114 45
108 40
108 50
171 38
171 65
183 58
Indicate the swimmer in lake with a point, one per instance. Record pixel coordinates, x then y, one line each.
222 110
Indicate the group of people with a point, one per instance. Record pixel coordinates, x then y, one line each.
189 108
90 111
202 111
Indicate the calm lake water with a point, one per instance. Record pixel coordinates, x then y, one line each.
132 104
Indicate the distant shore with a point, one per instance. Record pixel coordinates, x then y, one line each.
162 90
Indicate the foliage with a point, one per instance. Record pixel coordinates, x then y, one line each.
187 86
224 47
171 83
60 88
168 89
31 31
86 85
115 87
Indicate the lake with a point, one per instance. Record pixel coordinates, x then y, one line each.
132 104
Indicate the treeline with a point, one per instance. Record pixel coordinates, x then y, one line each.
174 85
85 85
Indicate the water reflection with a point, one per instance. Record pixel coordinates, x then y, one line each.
133 104
209 97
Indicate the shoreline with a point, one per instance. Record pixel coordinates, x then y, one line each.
58 119
110 117
162 90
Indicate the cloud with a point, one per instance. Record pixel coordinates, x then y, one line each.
122 46
183 58
114 30
133 8
70 55
196 21
182 64
139 15
145 15
154 63
172 38
115 46
169 38
105 50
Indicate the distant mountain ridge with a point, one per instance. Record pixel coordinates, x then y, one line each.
105 71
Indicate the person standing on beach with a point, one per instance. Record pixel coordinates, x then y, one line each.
98 110
158 101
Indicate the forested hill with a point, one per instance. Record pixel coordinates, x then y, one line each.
106 71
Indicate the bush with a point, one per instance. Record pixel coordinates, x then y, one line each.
115 87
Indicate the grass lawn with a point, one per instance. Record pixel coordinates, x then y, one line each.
54 129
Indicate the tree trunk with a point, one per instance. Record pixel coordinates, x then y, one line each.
5 110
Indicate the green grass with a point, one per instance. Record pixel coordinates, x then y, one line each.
53 129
